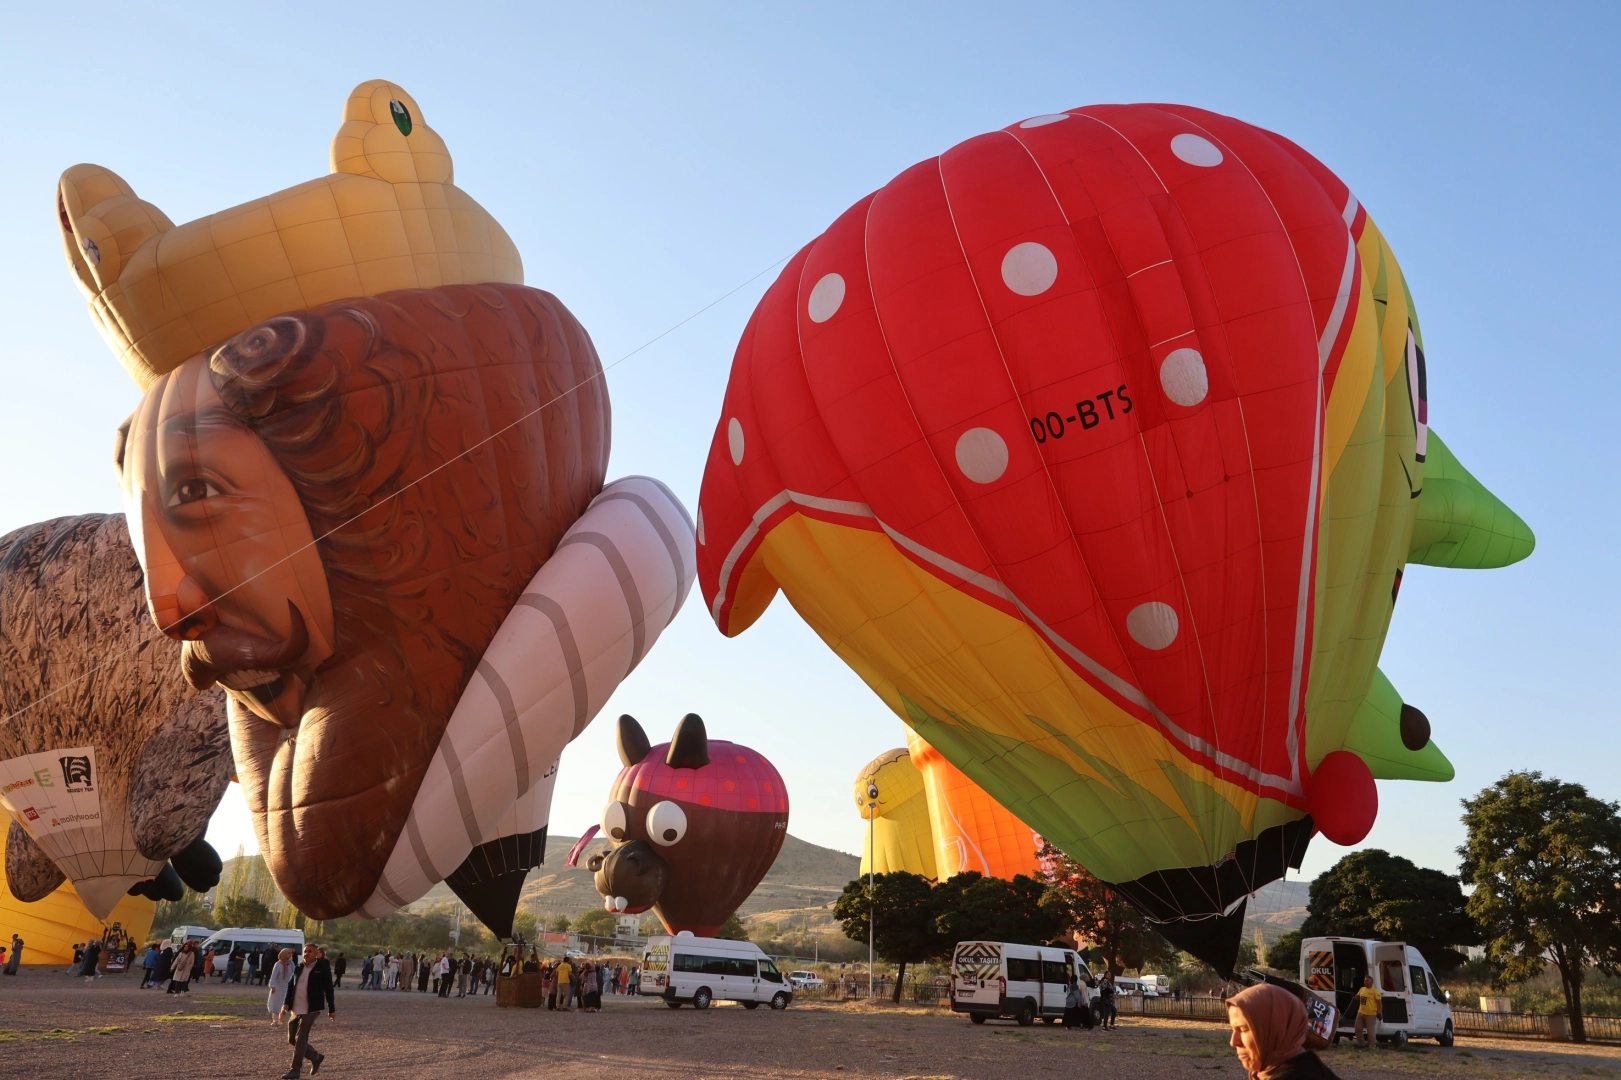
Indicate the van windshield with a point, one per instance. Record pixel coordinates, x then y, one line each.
769 972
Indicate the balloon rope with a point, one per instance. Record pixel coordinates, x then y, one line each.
531 414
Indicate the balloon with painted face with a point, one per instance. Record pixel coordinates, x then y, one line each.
366 483
693 825
1097 446
110 764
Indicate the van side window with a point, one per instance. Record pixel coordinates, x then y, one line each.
1055 971
717 965
769 972
1021 970
1390 979
743 968
689 963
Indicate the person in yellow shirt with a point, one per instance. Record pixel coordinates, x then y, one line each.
1367 1014
564 977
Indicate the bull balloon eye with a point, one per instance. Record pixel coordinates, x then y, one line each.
666 823
614 821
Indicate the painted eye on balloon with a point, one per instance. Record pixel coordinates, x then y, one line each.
666 823
615 822
402 116
194 490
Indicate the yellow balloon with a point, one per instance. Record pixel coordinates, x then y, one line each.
50 927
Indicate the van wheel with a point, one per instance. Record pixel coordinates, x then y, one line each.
702 998
1027 1014
779 1001
1446 1037
672 1004
978 1018
1399 1040
751 1004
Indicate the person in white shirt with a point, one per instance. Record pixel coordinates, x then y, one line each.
280 976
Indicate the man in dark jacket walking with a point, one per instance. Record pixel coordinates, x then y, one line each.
310 986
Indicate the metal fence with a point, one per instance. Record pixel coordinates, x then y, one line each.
1532 1025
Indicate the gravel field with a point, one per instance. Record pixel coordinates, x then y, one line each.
56 1027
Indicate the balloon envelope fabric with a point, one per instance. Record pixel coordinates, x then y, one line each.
1094 445
51 925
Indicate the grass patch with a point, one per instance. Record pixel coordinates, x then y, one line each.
35 1034
102 1030
181 1017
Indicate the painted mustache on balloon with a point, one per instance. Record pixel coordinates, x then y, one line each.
239 660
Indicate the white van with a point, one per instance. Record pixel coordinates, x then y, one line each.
183 934
247 938
688 969
1414 1003
998 978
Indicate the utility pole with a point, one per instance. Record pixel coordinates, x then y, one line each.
872 860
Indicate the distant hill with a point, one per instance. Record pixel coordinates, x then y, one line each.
1276 909
804 875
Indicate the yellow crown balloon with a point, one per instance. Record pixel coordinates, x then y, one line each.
387 217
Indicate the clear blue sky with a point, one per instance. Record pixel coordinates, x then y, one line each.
646 159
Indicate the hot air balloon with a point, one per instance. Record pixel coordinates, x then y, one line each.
889 793
692 825
52 924
971 830
363 446
110 764
935 822
1097 446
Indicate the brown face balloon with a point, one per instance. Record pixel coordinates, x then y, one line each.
110 764
336 509
694 825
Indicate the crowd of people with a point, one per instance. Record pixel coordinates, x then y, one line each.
573 982
439 974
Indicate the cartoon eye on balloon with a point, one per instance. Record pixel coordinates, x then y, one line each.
666 824
614 820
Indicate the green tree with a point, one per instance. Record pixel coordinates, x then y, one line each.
189 910
1119 933
1284 953
733 929
971 907
1374 894
1544 857
901 908
559 924
242 911
525 925
598 922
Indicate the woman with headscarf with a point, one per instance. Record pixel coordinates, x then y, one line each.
280 976
1269 1033
180 975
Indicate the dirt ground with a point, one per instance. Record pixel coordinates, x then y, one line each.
54 1026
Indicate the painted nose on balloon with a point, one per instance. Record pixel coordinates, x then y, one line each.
189 614
633 871
1343 798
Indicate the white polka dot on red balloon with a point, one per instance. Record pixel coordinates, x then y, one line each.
1152 625
1029 269
1183 377
1196 150
982 455
1043 121
701 540
734 440
825 298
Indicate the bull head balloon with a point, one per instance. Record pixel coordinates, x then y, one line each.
110 764
366 484
693 825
